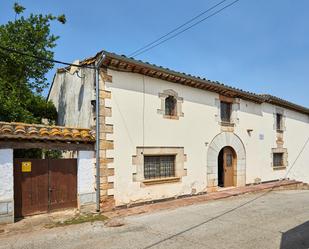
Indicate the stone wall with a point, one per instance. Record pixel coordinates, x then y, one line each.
106 143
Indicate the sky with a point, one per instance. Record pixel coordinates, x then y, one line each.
260 46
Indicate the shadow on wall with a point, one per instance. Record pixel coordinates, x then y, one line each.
268 108
154 86
81 97
62 104
298 237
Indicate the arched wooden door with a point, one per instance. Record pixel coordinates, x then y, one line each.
229 160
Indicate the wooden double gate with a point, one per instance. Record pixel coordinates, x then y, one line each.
43 185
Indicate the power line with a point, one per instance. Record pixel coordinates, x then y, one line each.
43 59
144 48
177 28
182 31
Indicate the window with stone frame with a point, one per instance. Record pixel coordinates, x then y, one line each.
278 160
155 165
171 106
279 122
225 112
159 166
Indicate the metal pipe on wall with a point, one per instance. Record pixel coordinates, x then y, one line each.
97 90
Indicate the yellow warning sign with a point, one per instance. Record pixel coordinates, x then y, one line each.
26 167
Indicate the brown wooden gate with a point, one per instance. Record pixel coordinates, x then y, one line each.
43 185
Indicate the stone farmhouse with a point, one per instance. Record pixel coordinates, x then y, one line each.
166 134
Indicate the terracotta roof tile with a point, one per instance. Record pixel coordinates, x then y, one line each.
43 132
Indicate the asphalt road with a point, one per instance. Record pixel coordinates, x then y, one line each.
274 220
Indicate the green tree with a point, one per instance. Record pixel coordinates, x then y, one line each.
23 78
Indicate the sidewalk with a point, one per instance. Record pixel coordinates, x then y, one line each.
222 193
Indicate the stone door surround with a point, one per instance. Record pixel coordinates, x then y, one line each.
220 141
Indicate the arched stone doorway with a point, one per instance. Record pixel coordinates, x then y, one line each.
222 140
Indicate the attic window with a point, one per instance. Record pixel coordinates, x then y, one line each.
226 111
279 124
170 106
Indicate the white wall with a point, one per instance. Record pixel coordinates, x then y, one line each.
86 177
72 97
191 132
6 186
133 127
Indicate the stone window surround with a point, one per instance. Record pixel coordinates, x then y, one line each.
163 96
227 127
285 158
138 163
280 111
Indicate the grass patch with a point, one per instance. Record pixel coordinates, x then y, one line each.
78 220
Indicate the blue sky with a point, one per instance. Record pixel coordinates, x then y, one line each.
256 45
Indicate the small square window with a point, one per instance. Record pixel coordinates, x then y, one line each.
278 160
159 166
226 111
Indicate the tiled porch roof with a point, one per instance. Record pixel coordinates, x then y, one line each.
23 131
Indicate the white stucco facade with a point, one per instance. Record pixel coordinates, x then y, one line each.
85 177
135 101
136 123
7 186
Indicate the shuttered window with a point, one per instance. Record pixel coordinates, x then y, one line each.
159 166
278 160
226 109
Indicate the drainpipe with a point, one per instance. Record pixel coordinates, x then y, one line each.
97 165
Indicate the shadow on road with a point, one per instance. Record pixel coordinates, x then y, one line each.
298 237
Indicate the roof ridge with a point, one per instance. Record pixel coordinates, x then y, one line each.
250 95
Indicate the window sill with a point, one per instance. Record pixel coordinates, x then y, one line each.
161 180
171 117
227 124
279 167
